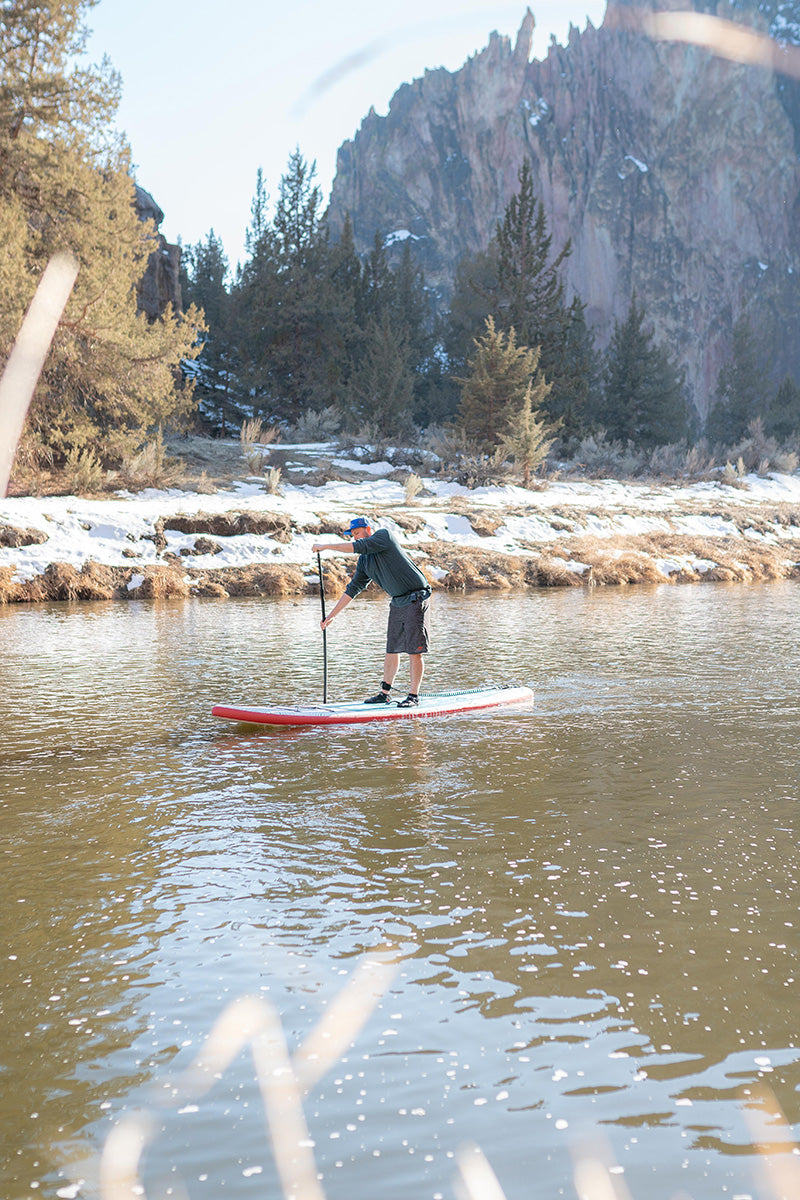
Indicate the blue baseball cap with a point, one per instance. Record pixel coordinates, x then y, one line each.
358 523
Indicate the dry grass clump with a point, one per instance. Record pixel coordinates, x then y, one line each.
272 481
204 545
412 486
335 575
9 587
261 581
160 583
554 572
275 525
630 567
210 588
253 437
476 569
484 524
151 467
12 537
62 581
407 523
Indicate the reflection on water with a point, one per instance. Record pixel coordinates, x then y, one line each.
594 900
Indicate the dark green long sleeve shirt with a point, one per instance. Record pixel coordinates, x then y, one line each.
381 559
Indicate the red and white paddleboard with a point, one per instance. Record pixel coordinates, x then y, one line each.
355 712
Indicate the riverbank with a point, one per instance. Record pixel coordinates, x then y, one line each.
243 539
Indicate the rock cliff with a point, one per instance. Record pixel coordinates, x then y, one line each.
673 171
160 284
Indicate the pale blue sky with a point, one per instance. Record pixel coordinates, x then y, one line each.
213 90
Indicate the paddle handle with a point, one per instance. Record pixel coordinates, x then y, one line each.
324 633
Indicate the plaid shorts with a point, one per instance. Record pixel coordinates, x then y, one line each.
409 630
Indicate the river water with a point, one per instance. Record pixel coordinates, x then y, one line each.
592 902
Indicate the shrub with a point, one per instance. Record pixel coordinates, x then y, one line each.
83 471
151 466
315 425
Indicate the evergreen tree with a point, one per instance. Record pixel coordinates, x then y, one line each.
574 396
65 184
740 389
291 317
381 388
215 369
529 437
517 281
783 415
494 390
529 294
345 270
253 300
387 299
643 396
475 281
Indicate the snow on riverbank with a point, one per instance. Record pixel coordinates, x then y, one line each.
682 530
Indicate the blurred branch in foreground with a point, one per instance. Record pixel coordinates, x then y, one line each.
28 355
727 39
283 1079
774 1140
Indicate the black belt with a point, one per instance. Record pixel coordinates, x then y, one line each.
419 594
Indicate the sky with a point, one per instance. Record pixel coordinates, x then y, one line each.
213 90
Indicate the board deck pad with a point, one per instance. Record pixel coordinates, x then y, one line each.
356 712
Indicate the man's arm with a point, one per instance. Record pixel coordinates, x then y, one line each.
341 603
341 547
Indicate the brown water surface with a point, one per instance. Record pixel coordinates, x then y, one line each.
594 901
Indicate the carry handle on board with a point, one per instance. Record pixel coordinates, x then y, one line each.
324 634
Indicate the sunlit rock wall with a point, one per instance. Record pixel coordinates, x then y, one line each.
673 172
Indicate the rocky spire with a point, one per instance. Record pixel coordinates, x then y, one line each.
522 46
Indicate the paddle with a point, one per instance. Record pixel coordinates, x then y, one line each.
324 634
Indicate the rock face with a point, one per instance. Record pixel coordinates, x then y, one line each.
674 172
160 284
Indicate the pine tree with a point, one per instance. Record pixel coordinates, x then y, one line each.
65 183
529 436
783 415
517 280
381 387
290 315
215 371
494 390
643 395
574 395
740 389
530 294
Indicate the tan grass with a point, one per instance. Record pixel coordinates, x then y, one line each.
9 587
485 524
412 486
161 583
552 572
14 537
275 525
272 481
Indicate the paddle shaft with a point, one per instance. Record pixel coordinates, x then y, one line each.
324 634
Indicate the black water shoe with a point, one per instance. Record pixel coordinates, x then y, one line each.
381 698
411 701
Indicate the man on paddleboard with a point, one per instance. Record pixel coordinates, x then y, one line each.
382 559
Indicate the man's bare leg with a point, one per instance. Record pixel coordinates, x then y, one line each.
417 665
390 667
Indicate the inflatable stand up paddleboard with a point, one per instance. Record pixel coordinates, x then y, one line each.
355 712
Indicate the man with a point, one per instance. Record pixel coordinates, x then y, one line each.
381 558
